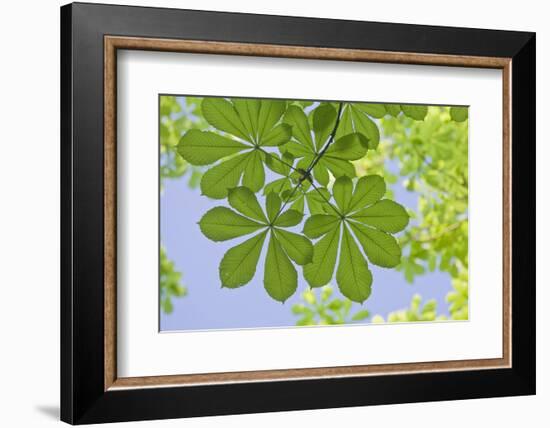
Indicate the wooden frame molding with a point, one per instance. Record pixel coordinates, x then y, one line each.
113 43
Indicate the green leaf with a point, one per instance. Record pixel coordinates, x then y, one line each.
319 272
289 218
416 112
459 114
317 200
169 282
254 121
244 201
364 124
296 118
270 113
324 119
335 305
204 148
280 277
381 248
338 167
277 136
385 215
342 191
298 309
221 114
277 186
368 190
278 164
298 247
297 150
273 205
393 109
221 224
350 147
375 110
238 265
248 111
360 315
353 276
319 224
290 195
320 172
345 126
167 306
298 205
217 180
254 173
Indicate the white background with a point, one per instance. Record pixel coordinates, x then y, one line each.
29 231
144 352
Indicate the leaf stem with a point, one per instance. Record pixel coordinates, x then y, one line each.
329 142
327 201
277 158
286 202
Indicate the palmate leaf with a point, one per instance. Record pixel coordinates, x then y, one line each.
336 159
365 219
238 265
251 124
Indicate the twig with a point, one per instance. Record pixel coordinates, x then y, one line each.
286 202
329 142
306 174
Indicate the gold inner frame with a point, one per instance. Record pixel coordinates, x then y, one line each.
113 43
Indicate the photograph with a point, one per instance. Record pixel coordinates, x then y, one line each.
283 212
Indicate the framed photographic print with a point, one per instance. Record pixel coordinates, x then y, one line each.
265 213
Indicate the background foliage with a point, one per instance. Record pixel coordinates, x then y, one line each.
174 120
170 283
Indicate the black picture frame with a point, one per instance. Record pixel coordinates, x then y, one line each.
83 398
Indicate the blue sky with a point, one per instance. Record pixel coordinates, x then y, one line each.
208 306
